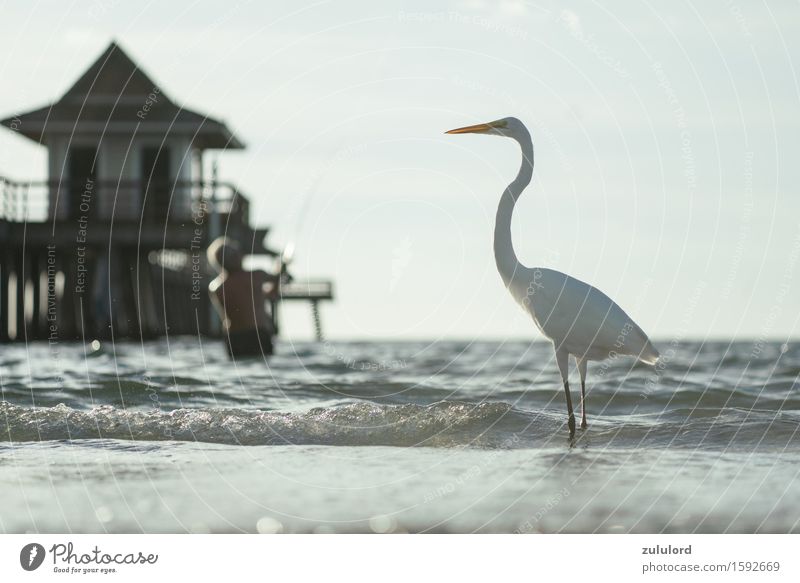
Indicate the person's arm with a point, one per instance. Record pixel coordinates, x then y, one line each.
214 289
271 284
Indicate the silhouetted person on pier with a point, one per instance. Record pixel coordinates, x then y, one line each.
240 298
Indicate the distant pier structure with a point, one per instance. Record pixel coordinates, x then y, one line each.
112 244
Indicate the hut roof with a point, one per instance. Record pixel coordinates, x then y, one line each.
115 96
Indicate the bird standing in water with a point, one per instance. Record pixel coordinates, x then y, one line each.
579 319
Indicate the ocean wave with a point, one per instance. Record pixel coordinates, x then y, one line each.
440 424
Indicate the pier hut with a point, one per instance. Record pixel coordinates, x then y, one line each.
112 243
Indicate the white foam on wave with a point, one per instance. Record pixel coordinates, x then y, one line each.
440 424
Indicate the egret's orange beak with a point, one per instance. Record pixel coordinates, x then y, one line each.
480 128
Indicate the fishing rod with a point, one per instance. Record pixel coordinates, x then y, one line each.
286 256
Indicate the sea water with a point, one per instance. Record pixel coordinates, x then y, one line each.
381 436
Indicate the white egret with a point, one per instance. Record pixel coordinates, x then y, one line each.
579 319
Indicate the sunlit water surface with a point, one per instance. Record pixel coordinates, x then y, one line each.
170 436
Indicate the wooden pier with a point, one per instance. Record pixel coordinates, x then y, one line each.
125 277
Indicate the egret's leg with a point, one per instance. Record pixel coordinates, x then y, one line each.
562 358
582 369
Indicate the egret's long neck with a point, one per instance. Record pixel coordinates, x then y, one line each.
506 259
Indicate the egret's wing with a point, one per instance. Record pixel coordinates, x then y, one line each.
582 317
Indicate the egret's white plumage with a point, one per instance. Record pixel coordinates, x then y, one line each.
581 320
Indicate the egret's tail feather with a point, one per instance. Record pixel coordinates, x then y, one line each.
649 354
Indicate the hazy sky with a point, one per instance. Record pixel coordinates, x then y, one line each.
667 138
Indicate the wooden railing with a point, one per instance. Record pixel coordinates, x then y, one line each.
122 200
